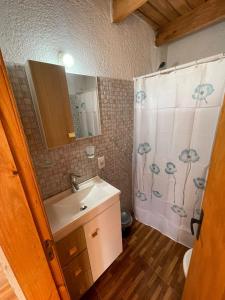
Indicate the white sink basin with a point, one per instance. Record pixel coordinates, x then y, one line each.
66 211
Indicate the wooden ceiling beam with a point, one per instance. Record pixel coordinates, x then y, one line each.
123 8
200 17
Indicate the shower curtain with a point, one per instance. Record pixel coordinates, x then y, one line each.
175 117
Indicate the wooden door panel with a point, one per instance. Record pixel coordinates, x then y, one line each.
19 238
206 276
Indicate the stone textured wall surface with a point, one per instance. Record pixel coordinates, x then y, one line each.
53 166
38 30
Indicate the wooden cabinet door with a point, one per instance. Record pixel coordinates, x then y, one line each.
206 275
51 101
104 240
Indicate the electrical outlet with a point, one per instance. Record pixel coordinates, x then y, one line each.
101 162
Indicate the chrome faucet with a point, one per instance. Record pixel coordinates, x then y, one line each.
74 184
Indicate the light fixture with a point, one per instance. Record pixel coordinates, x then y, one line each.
66 59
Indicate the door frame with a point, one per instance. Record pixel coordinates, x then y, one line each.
13 130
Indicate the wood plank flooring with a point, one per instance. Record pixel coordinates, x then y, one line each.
6 292
150 268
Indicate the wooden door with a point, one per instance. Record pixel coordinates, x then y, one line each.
206 276
24 227
51 101
103 238
18 236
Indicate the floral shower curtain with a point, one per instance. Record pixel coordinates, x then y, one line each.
175 122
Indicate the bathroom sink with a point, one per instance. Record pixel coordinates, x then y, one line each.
72 204
67 210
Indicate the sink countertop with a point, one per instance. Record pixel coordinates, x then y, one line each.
63 209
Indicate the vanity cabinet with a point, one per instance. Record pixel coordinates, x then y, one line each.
103 238
90 249
50 96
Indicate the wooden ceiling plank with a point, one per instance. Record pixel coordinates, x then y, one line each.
146 19
195 3
181 6
149 11
165 8
123 8
202 16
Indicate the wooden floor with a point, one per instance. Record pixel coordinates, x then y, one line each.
150 268
6 292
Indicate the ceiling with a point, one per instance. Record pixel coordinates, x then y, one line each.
160 13
171 19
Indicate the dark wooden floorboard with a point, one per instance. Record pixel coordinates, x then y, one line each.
150 268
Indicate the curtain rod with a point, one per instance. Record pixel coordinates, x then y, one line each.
184 66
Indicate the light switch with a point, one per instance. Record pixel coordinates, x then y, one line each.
101 162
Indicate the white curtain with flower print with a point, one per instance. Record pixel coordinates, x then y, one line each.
175 121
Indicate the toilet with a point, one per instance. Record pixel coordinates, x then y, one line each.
186 261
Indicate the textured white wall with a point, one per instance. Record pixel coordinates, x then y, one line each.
206 42
38 29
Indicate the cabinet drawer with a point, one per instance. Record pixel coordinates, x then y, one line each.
78 275
71 246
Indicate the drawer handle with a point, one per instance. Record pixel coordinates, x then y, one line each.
77 272
72 250
95 233
71 135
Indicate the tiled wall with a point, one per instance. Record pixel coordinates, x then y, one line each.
53 166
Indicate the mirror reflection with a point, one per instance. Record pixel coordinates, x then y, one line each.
83 95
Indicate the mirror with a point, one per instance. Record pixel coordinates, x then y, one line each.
83 95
